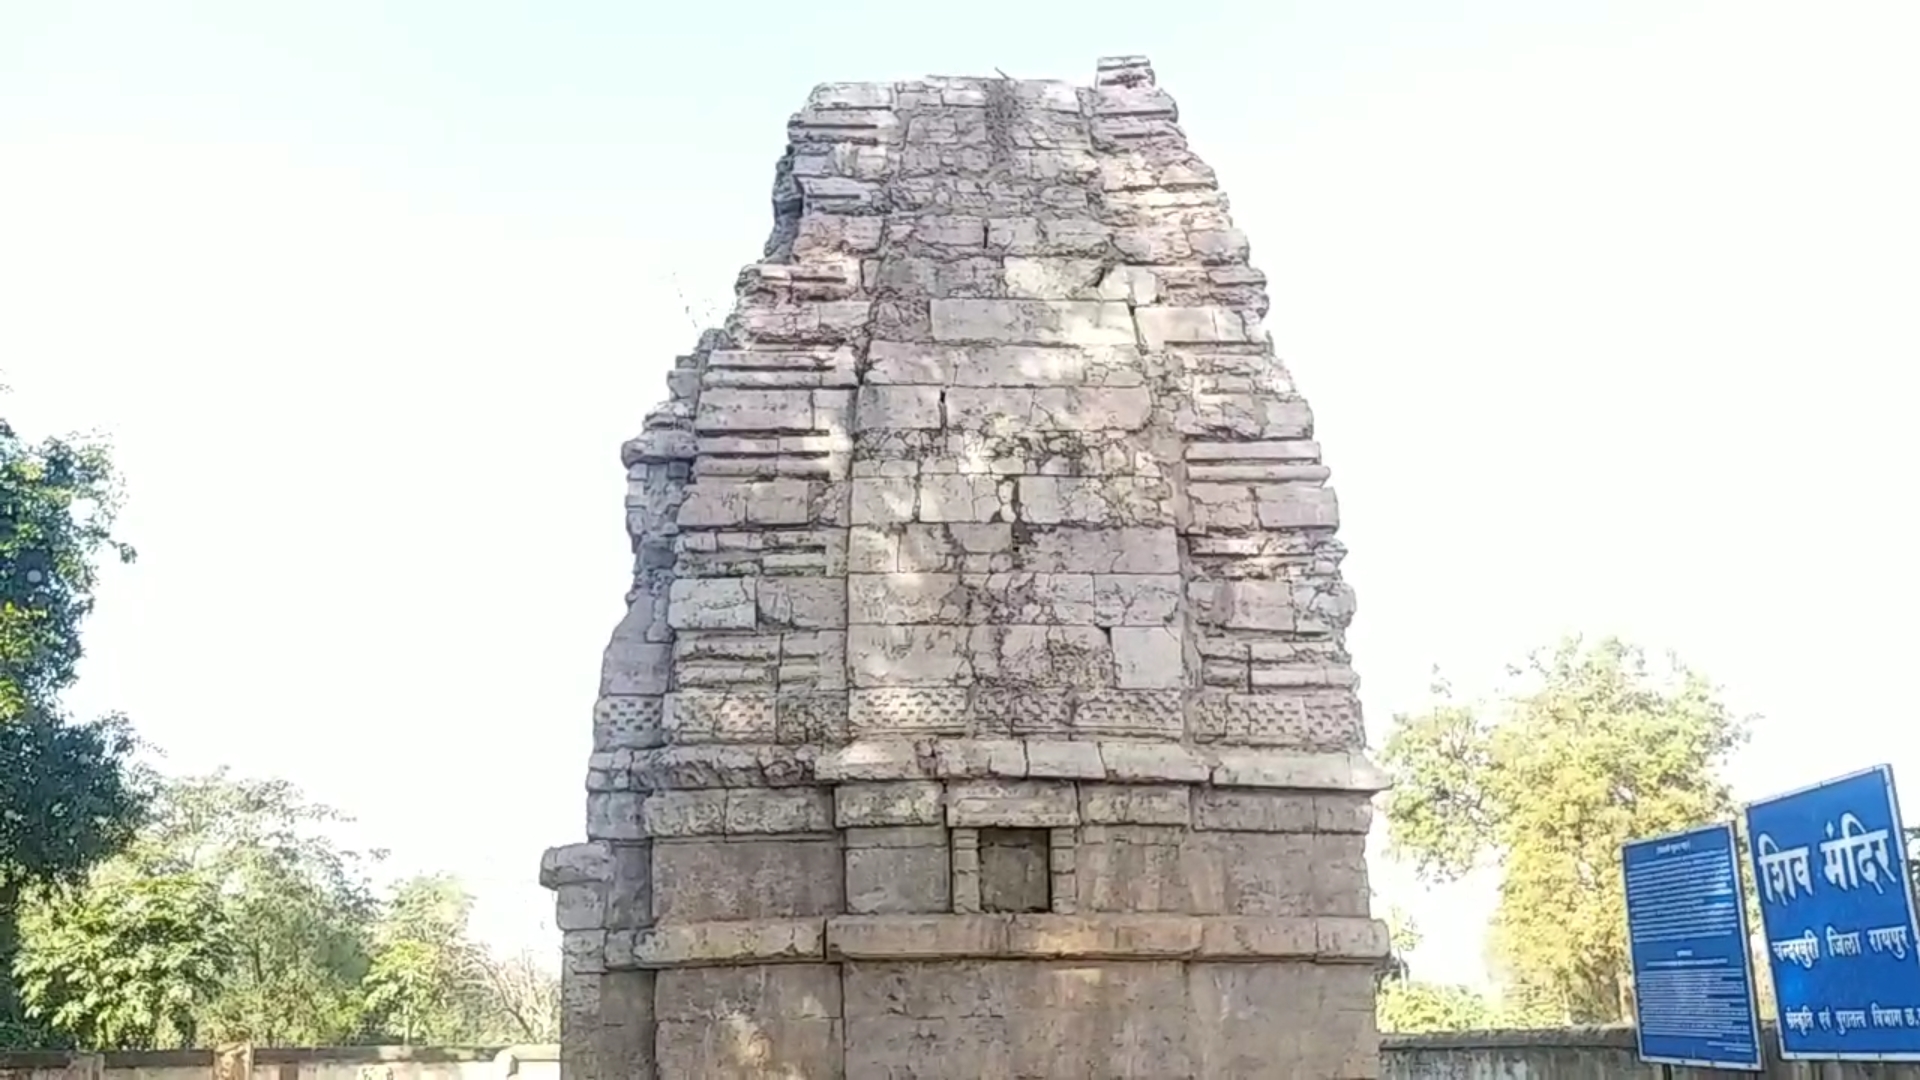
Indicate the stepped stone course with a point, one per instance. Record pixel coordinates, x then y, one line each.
981 709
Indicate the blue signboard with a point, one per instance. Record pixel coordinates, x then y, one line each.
1831 870
1692 964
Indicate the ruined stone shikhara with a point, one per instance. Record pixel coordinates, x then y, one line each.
982 708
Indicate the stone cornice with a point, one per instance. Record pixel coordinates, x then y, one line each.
1000 937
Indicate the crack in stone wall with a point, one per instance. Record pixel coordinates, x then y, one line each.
989 509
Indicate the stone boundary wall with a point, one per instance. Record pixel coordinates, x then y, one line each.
1556 1054
1583 1054
540 1062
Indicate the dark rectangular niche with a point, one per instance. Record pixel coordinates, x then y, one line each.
1014 871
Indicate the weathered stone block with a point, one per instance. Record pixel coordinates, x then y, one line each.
1296 506
716 995
1342 813
1123 550
685 813
972 759
1134 804
898 880
1241 810
1058 760
1031 657
1048 409
1297 770
629 903
702 880
736 941
963 498
904 803
918 711
576 864
1139 868
1148 657
1341 1042
814 603
874 759
892 599
580 907
719 716
1149 762
884 501
966 546
713 604
1033 322
1117 501
898 407
910 655
1017 804
778 810
615 815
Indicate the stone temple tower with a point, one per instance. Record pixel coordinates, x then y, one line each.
982 709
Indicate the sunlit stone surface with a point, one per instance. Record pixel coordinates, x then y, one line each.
982 708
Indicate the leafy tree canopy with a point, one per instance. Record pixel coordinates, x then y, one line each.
57 502
431 982
233 916
131 963
69 794
425 984
1595 747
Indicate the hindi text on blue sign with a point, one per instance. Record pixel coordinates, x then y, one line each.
1830 866
1687 936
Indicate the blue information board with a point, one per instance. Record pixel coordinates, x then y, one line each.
1692 964
1830 865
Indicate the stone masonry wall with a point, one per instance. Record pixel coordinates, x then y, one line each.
982 707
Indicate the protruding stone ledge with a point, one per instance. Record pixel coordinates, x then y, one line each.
590 863
705 944
1129 71
1105 937
993 937
712 814
1118 761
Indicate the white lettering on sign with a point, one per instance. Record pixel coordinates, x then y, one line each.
1803 950
1891 939
1856 855
1783 874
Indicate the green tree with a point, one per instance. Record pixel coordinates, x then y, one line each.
232 916
426 983
1407 1005
290 927
431 982
301 907
1412 1007
1595 748
127 964
57 504
69 794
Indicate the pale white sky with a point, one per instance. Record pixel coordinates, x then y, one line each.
1607 311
